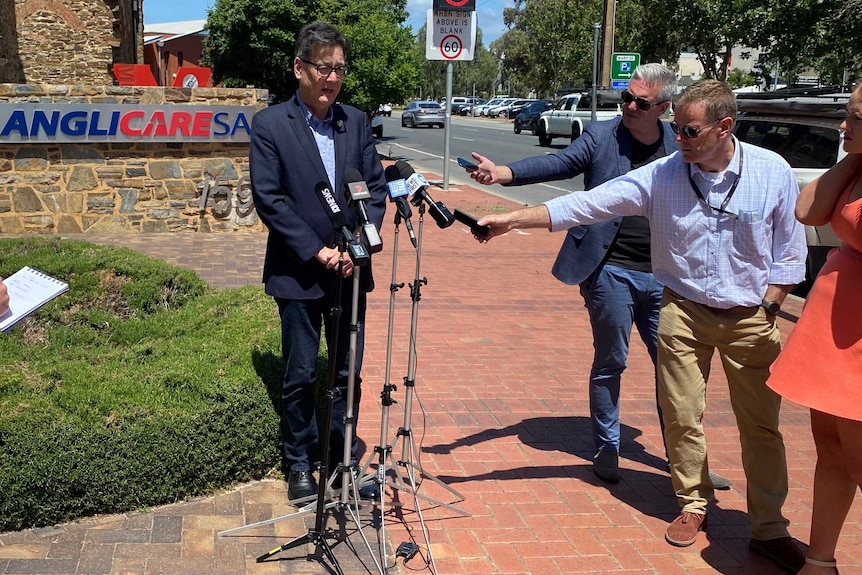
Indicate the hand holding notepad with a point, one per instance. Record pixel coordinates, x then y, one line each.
29 289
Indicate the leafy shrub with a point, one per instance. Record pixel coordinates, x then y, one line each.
140 386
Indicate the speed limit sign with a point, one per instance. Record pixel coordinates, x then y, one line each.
451 35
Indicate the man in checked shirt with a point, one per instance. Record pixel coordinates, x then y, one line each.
728 249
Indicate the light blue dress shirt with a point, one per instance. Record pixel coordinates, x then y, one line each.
324 137
702 255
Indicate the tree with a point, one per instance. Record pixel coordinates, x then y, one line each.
467 75
251 42
839 61
739 79
549 43
381 70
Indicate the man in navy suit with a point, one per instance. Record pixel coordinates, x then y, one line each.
610 261
295 146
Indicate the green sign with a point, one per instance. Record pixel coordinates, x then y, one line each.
623 65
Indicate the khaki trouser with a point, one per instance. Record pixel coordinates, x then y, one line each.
747 341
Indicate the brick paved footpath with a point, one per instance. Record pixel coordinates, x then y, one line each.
500 414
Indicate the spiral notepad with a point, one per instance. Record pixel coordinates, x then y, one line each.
29 289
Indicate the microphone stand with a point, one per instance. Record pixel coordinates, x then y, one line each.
382 450
318 534
409 452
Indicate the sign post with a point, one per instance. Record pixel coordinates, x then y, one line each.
450 35
623 65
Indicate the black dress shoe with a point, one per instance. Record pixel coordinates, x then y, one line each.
301 484
370 492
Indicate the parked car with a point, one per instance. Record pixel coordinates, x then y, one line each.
512 110
423 113
377 124
494 111
572 112
804 130
457 103
467 109
528 117
482 109
385 109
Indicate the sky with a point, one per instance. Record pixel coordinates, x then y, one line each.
489 14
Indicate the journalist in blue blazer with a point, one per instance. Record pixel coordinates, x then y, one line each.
602 153
298 146
610 261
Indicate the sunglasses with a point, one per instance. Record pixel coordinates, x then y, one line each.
641 103
688 131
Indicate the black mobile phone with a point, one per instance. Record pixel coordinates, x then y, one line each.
471 222
471 167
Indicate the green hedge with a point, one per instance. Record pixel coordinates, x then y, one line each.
140 386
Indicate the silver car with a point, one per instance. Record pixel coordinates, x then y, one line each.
805 131
423 113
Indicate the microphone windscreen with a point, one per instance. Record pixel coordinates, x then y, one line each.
405 169
352 175
392 173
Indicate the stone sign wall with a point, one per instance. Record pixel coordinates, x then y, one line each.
126 187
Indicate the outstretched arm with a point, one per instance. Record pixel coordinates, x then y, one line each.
490 173
534 217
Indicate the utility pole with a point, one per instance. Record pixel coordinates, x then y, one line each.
608 25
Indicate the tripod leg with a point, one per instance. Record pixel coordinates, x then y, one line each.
296 542
322 545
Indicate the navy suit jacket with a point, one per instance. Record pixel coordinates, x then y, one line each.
602 153
285 167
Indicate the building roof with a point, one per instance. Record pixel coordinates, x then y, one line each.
167 31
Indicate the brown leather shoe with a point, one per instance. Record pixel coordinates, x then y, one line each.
782 551
682 532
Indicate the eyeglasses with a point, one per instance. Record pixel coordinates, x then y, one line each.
641 103
688 131
325 70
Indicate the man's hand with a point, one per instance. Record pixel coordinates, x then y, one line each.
499 224
488 172
4 298
330 257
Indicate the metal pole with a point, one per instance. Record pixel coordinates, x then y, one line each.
596 29
446 136
608 20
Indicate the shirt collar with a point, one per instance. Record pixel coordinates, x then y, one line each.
732 167
310 118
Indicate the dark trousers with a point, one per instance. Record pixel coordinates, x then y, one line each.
301 323
617 298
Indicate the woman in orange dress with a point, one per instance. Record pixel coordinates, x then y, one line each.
820 366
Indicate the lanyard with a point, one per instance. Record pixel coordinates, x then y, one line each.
720 209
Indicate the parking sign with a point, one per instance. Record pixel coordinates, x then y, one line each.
623 65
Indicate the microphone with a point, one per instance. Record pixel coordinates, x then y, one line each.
357 192
358 254
398 193
418 186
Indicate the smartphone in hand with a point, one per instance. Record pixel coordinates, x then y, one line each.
470 166
472 223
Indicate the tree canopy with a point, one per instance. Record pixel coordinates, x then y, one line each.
251 42
548 44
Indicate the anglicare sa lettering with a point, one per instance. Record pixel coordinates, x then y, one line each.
123 123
